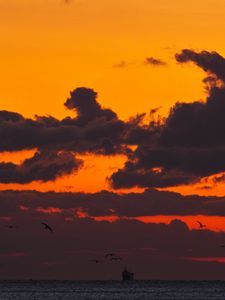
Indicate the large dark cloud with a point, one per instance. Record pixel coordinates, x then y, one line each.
166 166
190 144
199 124
108 204
93 130
43 166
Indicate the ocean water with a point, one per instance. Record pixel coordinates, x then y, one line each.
72 290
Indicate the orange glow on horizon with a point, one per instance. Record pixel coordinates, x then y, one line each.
207 259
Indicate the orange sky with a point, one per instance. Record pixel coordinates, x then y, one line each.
48 48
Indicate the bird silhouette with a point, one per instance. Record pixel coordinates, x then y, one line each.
97 261
201 225
110 255
47 227
11 226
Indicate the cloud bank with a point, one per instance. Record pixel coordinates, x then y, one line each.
28 251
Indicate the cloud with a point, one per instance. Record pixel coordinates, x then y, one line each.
164 167
43 166
93 130
211 62
181 149
84 102
30 252
155 62
147 62
190 142
122 65
108 204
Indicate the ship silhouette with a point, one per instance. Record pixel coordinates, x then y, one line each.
127 276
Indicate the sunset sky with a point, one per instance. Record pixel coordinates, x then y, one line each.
112 125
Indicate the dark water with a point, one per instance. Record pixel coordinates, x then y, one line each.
68 290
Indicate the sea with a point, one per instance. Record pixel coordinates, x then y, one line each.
73 290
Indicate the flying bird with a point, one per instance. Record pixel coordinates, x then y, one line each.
110 255
47 227
201 225
11 226
97 261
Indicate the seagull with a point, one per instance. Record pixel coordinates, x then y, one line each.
96 261
110 255
201 225
11 226
47 227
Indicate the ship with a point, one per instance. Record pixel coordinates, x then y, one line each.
127 276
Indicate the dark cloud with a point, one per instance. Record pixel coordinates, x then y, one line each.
197 124
122 65
181 149
30 252
147 62
155 62
101 204
10 116
84 102
43 166
164 167
133 176
190 142
211 62
94 129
